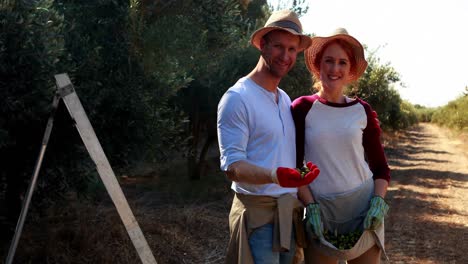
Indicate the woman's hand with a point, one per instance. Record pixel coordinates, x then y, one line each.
377 211
314 220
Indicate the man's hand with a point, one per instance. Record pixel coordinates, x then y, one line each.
377 211
314 220
289 177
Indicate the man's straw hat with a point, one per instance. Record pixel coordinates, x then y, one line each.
318 43
281 20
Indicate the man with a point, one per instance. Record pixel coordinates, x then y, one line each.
256 137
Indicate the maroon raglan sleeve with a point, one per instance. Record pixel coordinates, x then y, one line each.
373 146
299 109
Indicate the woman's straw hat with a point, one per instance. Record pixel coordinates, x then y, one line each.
281 20
318 43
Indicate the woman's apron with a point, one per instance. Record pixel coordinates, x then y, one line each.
344 213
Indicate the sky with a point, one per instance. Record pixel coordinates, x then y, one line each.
426 42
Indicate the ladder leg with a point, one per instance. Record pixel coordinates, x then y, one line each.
32 184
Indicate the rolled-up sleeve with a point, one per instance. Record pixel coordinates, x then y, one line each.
232 129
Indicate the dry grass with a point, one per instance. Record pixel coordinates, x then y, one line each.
75 233
183 222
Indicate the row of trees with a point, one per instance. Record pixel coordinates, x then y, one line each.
376 87
453 115
149 74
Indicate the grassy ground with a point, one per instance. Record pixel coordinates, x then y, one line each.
183 221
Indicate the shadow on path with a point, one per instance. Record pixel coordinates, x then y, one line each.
414 233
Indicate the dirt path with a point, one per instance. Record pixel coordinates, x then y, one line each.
428 218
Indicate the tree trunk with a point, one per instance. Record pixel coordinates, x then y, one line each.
202 159
193 151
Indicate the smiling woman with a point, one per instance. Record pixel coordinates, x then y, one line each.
335 72
348 197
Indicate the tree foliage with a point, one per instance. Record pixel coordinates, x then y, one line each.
149 74
424 114
31 48
376 86
453 115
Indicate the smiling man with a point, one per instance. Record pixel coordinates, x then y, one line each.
256 137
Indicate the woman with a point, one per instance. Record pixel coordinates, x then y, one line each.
341 135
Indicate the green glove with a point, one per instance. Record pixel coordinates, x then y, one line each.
313 219
377 211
